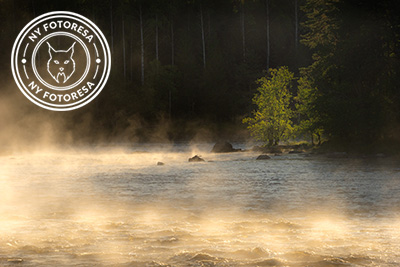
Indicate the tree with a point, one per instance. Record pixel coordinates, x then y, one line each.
111 27
268 38
353 69
123 45
141 43
321 24
296 24
242 20
308 115
271 122
203 40
157 58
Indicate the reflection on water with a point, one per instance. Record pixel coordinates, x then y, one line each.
109 206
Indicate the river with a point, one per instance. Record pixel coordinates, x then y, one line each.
114 206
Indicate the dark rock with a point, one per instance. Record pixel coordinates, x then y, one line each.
15 260
263 157
196 159
160 163
223 147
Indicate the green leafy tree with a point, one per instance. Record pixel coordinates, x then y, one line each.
309 117
271 121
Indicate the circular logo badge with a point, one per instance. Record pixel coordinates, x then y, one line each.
61 61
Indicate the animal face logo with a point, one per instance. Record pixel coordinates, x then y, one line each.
61 65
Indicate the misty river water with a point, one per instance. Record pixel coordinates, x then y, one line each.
113 206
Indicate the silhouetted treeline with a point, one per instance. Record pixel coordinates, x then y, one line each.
199 59
353 84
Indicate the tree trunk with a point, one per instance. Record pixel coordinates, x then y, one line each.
131 53
268 41
209 23
202 35
157 37
243 33
112 28
296 17
172 43
270 142
169 103
312 139
188 21
123 46
141 42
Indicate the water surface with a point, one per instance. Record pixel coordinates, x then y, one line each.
115 206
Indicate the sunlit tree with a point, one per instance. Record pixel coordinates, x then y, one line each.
271 121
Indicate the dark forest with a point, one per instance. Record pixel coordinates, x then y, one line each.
189 69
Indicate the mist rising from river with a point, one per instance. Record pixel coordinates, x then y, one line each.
114 205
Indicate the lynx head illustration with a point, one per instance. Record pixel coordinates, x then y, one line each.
61 65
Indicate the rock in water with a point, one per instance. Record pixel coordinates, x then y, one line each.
160 163
263 157
196 159
15 260
223 147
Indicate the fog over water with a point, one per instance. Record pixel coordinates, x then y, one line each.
114 206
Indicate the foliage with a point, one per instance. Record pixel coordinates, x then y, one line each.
308 115
351 77
271 122
320 24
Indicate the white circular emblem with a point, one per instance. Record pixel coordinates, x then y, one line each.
61 61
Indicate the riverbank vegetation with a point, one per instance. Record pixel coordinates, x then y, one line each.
350 92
